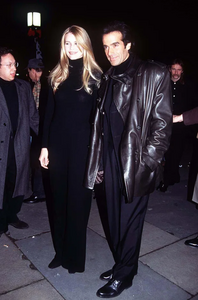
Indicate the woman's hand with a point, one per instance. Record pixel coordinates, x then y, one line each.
178 118
44 161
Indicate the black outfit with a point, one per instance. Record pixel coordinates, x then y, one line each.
11 206
122 216
130 135
182 100
39 176
66 135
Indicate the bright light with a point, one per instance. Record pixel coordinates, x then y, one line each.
29 19
34 18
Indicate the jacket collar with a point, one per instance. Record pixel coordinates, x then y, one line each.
133 65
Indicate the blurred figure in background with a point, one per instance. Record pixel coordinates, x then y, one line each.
40 91
188 118
183 99
17 114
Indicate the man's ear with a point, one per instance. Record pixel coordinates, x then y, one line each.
128 46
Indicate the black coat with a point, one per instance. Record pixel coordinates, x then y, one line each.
142 96
28 118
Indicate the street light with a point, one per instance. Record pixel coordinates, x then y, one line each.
34 18
34 24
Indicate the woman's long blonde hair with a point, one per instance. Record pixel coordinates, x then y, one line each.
90 67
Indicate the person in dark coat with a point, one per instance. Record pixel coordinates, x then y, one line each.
17 114
189 118
130 134
183 99
66 134
39 86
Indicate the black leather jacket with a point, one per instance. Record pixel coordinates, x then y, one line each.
142 96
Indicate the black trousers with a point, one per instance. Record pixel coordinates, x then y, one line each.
123 231
11 206
173 157
37 180
125 220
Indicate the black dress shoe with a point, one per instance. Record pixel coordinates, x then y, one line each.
192 242
113 288
33 199
162 187
19 224
106 275
55 263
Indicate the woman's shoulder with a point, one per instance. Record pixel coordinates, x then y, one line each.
95 78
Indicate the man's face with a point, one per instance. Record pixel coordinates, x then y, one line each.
34 74
114 48
176 71
7 67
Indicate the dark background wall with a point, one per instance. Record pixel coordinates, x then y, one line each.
162 30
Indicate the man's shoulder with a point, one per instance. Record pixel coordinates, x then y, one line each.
154 65
151 63
153 68
22 83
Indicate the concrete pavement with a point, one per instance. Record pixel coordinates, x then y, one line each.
168 269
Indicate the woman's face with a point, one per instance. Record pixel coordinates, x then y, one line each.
73 50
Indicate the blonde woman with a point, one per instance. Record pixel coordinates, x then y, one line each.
74 82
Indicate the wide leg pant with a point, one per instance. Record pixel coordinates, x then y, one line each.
125 222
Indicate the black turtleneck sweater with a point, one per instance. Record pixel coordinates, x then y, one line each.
110 107
68 110
120 69
10 94
113 123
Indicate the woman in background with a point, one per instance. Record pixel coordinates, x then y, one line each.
74 82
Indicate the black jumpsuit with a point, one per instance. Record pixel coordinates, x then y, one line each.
66 135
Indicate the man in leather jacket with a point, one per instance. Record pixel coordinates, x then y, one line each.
130 135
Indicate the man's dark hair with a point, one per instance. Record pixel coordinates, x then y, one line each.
122 27
4 51
177 61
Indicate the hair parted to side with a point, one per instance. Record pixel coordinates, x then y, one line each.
121 27
90 68
4 51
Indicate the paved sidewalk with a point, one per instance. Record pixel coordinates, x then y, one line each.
168 269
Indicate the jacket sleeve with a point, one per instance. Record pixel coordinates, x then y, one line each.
190 117
160 121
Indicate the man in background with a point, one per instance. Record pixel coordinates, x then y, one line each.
183 99
17 114
39 89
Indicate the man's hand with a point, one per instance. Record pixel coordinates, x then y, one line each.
99 177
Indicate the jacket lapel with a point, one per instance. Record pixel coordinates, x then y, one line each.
20 98
3 104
